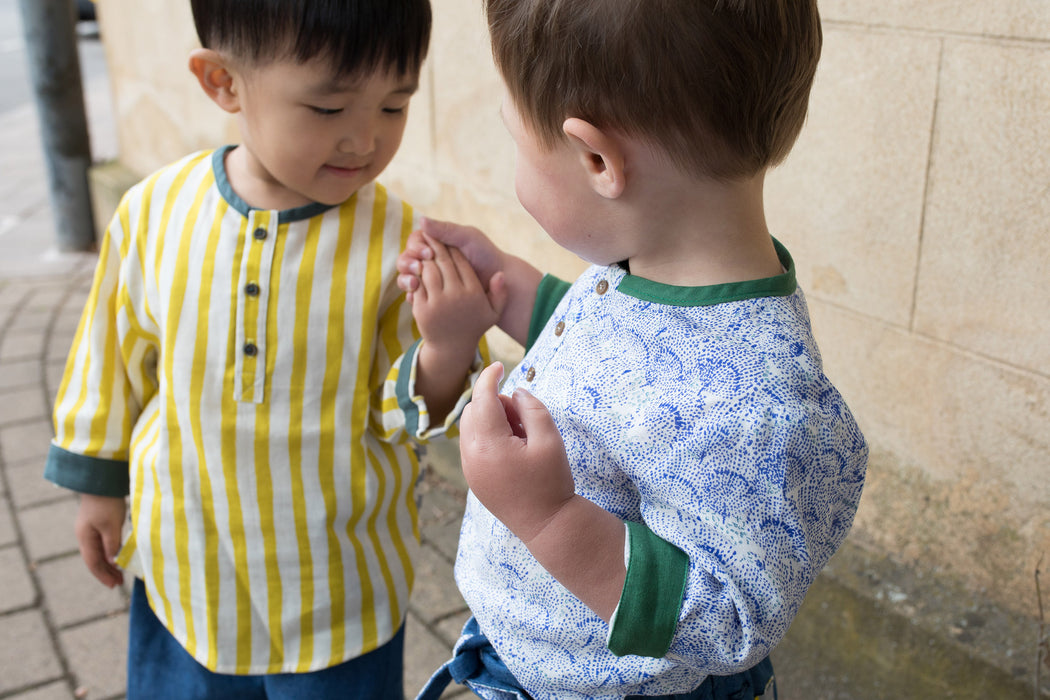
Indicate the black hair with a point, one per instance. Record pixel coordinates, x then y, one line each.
355 35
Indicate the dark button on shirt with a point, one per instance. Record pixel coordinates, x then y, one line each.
260 234
560 328
251 289
250 349
602 287
531 374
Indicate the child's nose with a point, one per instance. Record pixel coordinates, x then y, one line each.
359 139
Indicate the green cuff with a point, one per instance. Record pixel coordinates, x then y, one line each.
647 616
548 294
404 396
83 474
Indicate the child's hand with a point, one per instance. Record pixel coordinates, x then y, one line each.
483 255
98 525
513 457
450 306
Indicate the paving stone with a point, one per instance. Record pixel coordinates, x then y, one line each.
73 595
450 628
60 342
21 345
36 661
28 487
8 534
53 691
53 372
97 655
15 293
9 300
435 594
441 504
45 298
26 441
424 654
48 529
24 320
17 586
22 405
18 374
440 515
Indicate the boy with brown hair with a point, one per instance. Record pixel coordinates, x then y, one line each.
247 375
668 469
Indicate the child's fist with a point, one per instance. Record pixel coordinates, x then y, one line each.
513 456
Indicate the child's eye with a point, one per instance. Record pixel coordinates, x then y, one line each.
394 110
324 111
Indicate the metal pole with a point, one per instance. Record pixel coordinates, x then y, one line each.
54 67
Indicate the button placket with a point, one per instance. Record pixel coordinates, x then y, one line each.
252 303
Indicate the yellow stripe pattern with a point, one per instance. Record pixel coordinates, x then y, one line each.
245 364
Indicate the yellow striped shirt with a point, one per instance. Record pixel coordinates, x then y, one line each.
247 376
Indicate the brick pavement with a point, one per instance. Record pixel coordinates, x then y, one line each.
63 635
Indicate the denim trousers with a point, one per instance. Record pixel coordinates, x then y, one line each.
160 669
476 664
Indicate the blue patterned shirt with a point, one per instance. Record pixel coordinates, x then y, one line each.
704 415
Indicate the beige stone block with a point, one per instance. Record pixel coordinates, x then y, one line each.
410 174
985 249
848 200
473 148
1008 18
161 112
957 479
109 181
932 405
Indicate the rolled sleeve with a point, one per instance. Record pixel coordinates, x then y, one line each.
412 405
645 619
83 474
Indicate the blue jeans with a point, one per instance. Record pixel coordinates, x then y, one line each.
160 669
476 664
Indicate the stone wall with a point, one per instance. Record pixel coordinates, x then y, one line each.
915 203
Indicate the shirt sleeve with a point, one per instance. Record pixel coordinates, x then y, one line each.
550 291
109 374
412 405
739 518
645 618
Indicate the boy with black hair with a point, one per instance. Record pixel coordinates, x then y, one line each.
247 373
663 476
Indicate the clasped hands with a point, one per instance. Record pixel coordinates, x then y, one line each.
512 454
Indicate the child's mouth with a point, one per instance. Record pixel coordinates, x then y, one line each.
340 171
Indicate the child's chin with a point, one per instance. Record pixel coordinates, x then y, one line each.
332 200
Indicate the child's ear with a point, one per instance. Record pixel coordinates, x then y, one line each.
601 155
216 78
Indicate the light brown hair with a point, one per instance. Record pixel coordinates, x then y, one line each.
721 86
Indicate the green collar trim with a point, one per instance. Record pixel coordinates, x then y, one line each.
778 286
222 181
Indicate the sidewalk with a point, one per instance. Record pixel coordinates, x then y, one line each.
63 635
